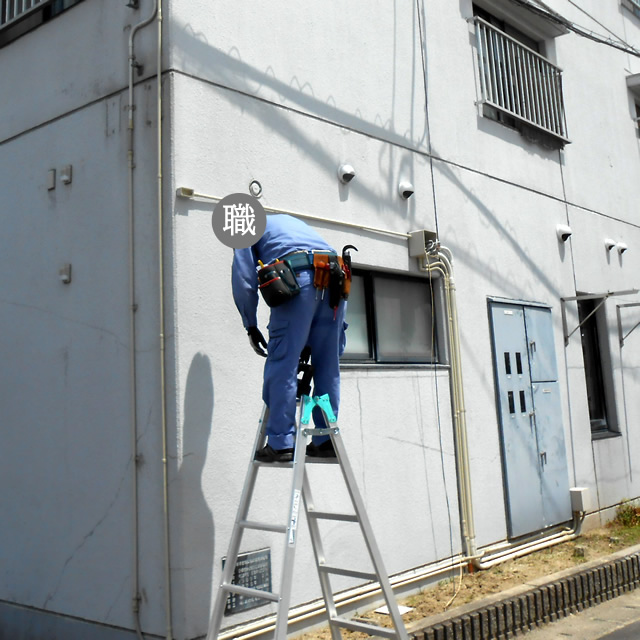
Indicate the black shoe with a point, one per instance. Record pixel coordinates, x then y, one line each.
268 454
324 450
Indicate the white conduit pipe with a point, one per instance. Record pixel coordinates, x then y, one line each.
443 265
186 192
163 388
132 330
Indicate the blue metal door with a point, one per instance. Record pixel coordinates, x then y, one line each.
532 437
520 457
554 477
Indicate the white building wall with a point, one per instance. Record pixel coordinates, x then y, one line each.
283 96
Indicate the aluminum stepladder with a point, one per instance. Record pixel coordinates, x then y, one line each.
301 490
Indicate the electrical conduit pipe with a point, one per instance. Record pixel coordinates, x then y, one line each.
156 13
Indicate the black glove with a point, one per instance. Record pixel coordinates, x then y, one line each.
257 341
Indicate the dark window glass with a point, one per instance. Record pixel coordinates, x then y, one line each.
391 319
593 364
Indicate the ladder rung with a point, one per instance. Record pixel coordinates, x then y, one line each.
272 465
251 593
350 573
327 515
263 526
371 629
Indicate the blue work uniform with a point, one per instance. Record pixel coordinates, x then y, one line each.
305 320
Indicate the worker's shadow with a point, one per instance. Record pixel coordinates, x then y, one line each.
194 549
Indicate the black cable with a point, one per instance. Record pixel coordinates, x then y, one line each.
552 16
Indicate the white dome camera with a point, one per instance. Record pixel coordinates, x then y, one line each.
405 189
346 173
622 247
563 231
609 244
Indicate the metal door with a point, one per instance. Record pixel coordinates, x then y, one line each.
533 448
554 477
518 435
542 354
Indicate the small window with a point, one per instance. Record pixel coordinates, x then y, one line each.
637 105
17 17
392 319
595 352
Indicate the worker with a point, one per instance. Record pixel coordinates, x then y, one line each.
304 320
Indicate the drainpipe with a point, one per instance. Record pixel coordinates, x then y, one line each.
161 284
132 330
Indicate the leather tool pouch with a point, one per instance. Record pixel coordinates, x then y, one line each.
320 270
277 283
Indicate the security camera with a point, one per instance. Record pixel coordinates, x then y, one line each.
405 189
622 247
609 244
563 232
346 173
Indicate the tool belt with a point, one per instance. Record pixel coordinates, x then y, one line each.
278 282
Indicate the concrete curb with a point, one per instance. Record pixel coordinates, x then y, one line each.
536 603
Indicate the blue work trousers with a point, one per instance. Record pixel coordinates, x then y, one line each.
306 320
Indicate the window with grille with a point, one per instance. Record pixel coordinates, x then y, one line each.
393 319
633 6
17 17
516 81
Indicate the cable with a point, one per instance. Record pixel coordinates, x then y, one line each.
552 16
423 52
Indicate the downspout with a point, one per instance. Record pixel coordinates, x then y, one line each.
161 284
132 331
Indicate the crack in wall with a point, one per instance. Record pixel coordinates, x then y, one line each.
52 594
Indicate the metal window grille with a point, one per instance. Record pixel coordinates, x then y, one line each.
10 10
519 81
635 3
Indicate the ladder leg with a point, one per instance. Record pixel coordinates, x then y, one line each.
318 552
291 535
369 538
236 535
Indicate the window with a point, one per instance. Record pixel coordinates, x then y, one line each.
518 86
391 319
595 353
17 17
637 104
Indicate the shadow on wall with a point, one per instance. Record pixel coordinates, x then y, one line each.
195 544
246 80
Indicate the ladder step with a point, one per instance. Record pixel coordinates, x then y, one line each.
327 515
272 465
263 526
251 593
371 629
350 573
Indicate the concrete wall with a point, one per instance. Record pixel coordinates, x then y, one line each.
282 96
65 443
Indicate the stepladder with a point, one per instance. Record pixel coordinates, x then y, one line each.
301 500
